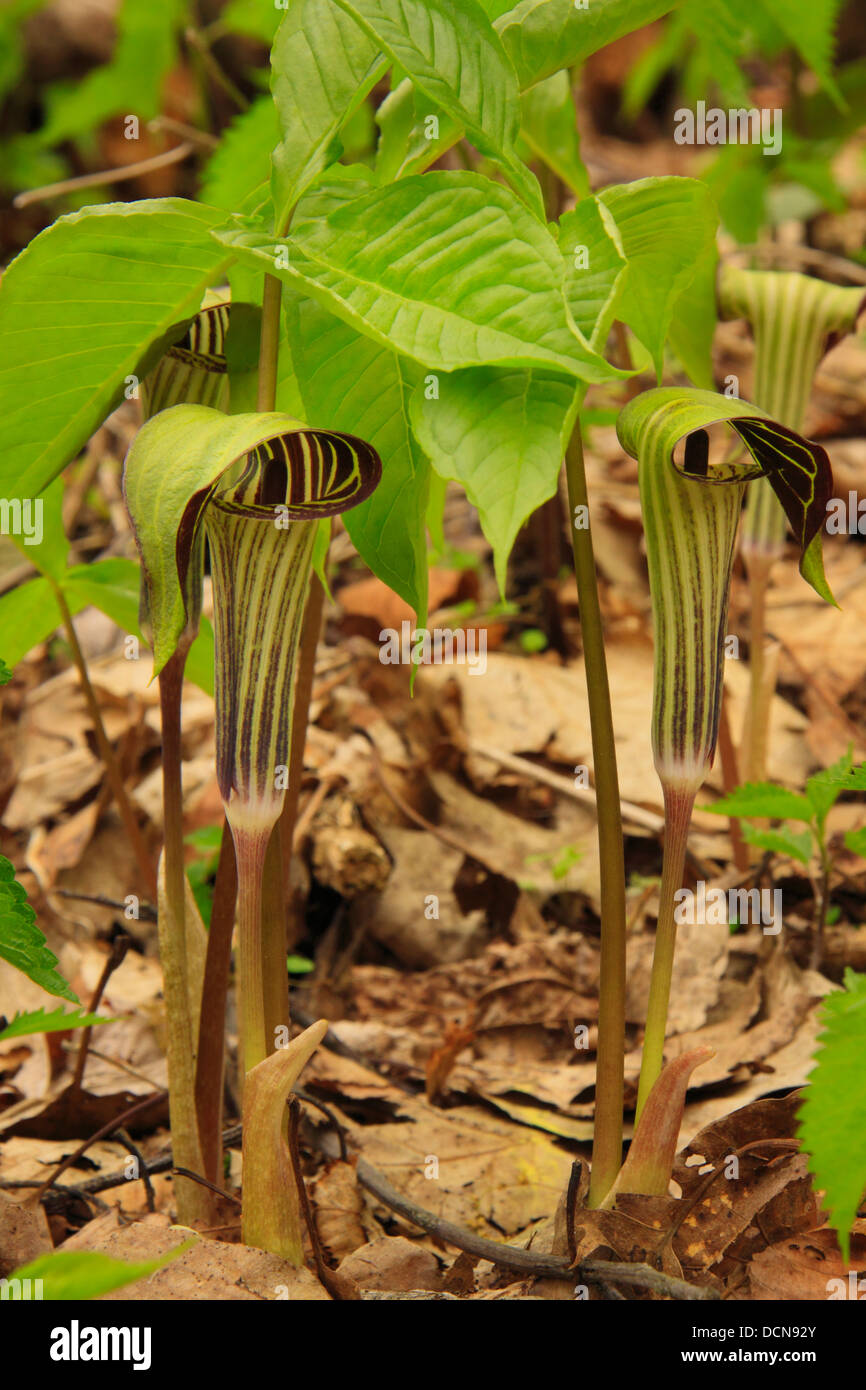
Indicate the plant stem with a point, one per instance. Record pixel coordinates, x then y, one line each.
759 706
211 1032
678 815
106 751
730 780
250 850
180 957
269 345
300 719
607 1141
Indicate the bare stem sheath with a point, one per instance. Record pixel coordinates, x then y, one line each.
607 1142
678 815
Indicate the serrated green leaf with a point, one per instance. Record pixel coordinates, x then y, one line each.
5 673
823 789
80 310
763 800
855 780
22 944
359 386
832 1119
502 434
238 171
449 269
80 1274
323 65
57 1021
452 54
855 840
130 83
796 845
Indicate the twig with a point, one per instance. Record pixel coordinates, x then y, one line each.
118 1123
131 1147
205 1182
119 947
339 1287
527 1262
124 171
146 912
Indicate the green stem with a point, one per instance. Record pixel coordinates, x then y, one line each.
269 346
607 1141
112 770
678 815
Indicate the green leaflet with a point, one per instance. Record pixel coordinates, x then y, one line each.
78 1274
502 434
549 129
171 470
794 319
57 1021
91 301
449 269
131 82
832 1120
541 36
454 56
690 523
666 226
323 65
22 943
355 384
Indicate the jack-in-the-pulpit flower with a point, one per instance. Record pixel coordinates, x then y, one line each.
255 486
690 516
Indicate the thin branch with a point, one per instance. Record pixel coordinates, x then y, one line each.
118 175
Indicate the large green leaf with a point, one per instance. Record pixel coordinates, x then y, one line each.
22 943
323 65
449 269
503 435
832 1120
764 800
49 555
541 36
451 52
80 309
349 382
666 225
